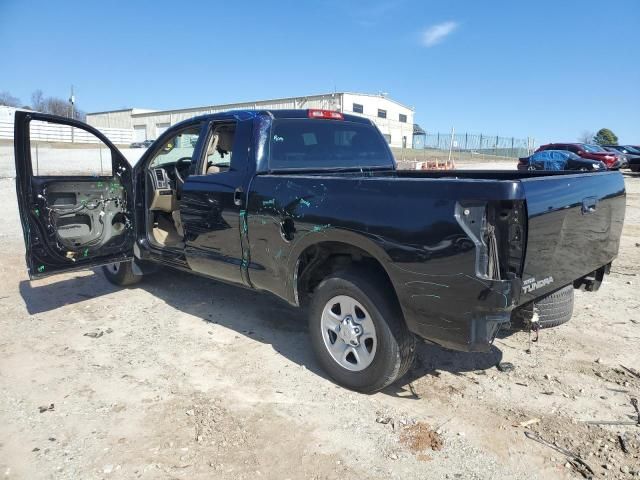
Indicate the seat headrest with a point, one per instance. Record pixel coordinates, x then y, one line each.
225 140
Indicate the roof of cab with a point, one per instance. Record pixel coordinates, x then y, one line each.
288 113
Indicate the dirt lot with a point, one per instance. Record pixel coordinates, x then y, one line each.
186 378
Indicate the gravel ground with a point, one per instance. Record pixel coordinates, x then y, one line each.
185 378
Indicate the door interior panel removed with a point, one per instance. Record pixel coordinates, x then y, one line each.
83 216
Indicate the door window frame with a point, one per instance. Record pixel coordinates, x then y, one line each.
199 168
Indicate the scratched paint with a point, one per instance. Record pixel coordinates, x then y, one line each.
305 202
426 283
244 231
243 222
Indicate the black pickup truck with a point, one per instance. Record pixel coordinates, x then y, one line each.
309 205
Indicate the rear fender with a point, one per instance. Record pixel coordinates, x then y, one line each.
326 233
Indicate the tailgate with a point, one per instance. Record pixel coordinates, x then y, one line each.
574 228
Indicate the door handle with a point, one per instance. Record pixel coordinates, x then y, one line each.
237 196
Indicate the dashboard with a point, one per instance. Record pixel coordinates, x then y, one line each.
164 195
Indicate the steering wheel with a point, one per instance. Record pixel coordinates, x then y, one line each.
179 165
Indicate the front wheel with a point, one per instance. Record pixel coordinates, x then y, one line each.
358 332
121 274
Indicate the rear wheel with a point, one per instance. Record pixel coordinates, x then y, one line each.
554 309
121 274
358 332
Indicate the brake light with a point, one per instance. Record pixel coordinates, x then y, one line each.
326 114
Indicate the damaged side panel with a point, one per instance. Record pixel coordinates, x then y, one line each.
447 294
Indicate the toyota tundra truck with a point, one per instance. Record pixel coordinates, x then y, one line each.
309 206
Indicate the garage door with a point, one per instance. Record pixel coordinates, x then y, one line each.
139 133
161 128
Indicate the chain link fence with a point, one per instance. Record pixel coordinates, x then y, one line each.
436 149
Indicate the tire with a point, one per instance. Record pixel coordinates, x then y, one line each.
385 349
121 274
553 309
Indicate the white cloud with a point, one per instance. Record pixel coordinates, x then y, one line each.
437 33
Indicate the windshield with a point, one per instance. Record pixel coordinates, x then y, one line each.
320 144
632 150
180 146
593 148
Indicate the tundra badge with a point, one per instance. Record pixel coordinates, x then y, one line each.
531 284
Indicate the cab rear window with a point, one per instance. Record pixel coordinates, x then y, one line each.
314 143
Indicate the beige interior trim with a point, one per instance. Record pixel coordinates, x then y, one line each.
163 203
165 233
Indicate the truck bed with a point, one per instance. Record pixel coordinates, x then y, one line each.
570 225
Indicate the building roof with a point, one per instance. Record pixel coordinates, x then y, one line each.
132 110
142 112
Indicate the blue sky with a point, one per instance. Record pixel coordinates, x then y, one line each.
546 69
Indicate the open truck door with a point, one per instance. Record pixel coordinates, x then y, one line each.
75 195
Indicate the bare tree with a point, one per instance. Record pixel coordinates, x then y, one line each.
586 136
57 106
9 100
37 101
54 106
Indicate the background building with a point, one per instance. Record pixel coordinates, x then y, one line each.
394 119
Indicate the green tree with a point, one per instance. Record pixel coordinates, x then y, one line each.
605 137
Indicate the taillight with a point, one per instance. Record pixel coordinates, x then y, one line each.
326 114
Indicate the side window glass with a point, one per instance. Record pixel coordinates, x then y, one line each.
178 147
63 150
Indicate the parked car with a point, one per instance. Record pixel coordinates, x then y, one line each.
147 143
632 154
613 161
559 160
137 145
309 205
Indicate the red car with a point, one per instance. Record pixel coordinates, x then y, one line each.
584 150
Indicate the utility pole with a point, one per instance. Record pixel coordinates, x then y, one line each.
72 101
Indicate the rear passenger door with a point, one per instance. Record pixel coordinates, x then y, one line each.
212 208
75 195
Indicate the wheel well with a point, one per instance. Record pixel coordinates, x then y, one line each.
322 259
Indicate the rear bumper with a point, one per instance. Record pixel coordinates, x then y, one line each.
467 320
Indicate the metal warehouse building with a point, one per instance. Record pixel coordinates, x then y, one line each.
394 119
